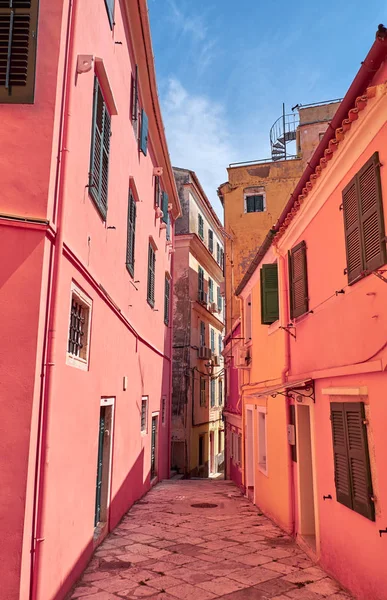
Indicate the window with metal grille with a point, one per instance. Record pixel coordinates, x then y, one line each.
220 391
254 203
210 241
78 336
144 414
166 299
163 409
18 36
100 151
202 391
110 11
351 458
213 384
298 281
151 275
201 227
131 234
364 221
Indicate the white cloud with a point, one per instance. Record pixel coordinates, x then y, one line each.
194 25
198 137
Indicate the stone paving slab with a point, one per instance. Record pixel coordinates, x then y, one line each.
166 549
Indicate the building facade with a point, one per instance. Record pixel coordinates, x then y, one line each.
87 215
198 329
313 396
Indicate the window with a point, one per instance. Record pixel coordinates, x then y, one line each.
213 382
212 342
201 296
210 241
144 414
163 409
110 11
100 150
134 99
222 259
364 221
79 329
151 275
202 391
166 300
255 204
269 294
248 319
351 458
131 234
18 26
218 253
164 206
219 299
144 133
220 344
157 191
220 391
262 459
201 450
202 333
210 290
201 227
298 281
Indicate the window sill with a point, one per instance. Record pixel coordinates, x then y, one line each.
77 362
273 327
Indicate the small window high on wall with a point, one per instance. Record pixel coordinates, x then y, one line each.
254 199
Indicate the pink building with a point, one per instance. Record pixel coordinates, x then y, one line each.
87 215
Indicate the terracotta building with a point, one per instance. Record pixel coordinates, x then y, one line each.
312 394
198 329
87 215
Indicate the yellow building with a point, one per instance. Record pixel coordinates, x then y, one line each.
198 330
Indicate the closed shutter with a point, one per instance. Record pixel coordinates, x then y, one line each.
210 241
212 393
144 133
202 333
299 301
371 214
219 299
212 341
134 106
218 253
100 151
210 290
110 11
131 235
269 294
200 284
200 226
220 344
340 455
18 36
352 232
164 206
151 275
166 301
157 190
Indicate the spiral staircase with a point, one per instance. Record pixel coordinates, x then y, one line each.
282 132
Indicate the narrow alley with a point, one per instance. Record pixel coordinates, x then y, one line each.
201 539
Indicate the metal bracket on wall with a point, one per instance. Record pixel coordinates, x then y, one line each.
381 531
287 329
298 393
380 275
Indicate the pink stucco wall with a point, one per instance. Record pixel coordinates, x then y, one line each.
128 338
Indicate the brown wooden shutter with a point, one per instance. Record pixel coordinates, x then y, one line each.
359 462
371 214
18 33
298 279
340 455
353 240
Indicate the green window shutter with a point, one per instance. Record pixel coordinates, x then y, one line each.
134 103
212 341
200 227
151 276
168 227
269 294
210 290
110 11
200 283
164 207
166 301
202 333
210 241
219 299
144 133
157 190
100 151
18 36
220 391
371 214
355 262
220 344
298 279
217 253
212 393
131 234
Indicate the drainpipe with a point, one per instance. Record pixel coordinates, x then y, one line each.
171 360
51 314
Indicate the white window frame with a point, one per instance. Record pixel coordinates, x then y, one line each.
258 191
146 399
262 439
78 361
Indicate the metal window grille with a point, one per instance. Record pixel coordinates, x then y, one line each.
77 328
144 411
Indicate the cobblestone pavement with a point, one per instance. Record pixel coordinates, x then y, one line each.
167 549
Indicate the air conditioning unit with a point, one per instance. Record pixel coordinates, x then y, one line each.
157 171
159 212
203 298
244 358
204 353
213 307
216 360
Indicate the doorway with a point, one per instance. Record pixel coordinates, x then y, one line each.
249 452
307 521
155 426
105 437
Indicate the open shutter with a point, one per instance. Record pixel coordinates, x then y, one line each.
212 341
131 234
151 275
219 299
100 151
358 457
210 241
340 455
299 301
134 105
157 190
166 301
18 35
144 133
210 290
371 214
269 294
110 11
164 207
200 226
352 231
200 283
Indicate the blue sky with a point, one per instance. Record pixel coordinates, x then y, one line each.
224 67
